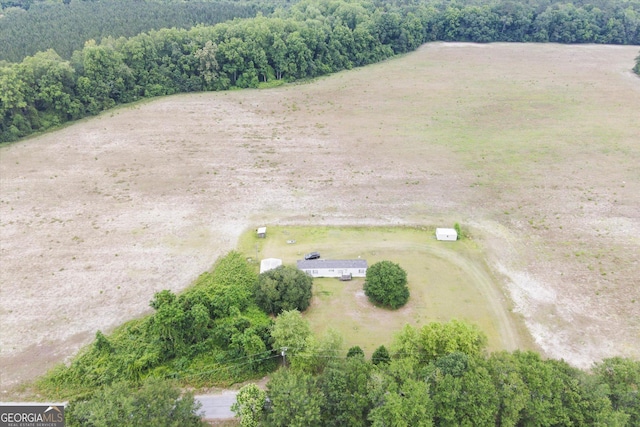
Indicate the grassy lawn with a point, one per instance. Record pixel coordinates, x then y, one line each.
443 280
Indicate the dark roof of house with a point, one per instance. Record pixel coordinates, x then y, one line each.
331 263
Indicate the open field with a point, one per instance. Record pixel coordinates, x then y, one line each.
534 148
446 280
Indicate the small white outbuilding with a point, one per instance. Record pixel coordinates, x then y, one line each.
269 264
446 234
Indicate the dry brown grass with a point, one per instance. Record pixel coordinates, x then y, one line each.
533 146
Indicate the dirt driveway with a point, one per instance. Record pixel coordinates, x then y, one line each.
533 147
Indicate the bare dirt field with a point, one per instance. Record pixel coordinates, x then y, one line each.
534 148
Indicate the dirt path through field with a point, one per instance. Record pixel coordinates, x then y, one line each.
511 339
534 147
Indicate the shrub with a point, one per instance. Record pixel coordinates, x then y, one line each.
380 356
458 230
355 351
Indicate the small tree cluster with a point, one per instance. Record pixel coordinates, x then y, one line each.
386 284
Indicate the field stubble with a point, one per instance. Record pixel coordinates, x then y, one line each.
534 147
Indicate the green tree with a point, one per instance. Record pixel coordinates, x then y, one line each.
52 81
105 80
230 285
299 56
290 331
510 387
168 322
386 284
478 404
399 396
544 405
407 406
249 405
283 288
317 353
234 270
15 99
208 64
622 377
155 403
295 400
454 364
355 351
249 345
380 356
434 340
345 385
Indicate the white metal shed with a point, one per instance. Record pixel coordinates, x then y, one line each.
269 264
446 234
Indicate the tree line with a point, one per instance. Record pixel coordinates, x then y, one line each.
441 375
312 38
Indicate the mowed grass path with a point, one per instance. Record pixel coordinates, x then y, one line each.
446 279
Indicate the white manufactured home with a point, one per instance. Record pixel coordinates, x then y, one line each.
269 264
446 234
334 267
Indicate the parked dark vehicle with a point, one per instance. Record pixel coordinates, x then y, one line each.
312 255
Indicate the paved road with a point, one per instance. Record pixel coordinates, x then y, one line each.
217 406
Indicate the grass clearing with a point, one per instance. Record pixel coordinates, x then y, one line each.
446 279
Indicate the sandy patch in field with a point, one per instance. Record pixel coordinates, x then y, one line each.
98 216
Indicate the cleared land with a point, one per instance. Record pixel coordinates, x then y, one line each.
446 279
534 147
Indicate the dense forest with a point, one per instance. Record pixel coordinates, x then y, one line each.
311 38
30 27
65 27
439 374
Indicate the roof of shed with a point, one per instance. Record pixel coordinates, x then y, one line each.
269 264
331 263
446 231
